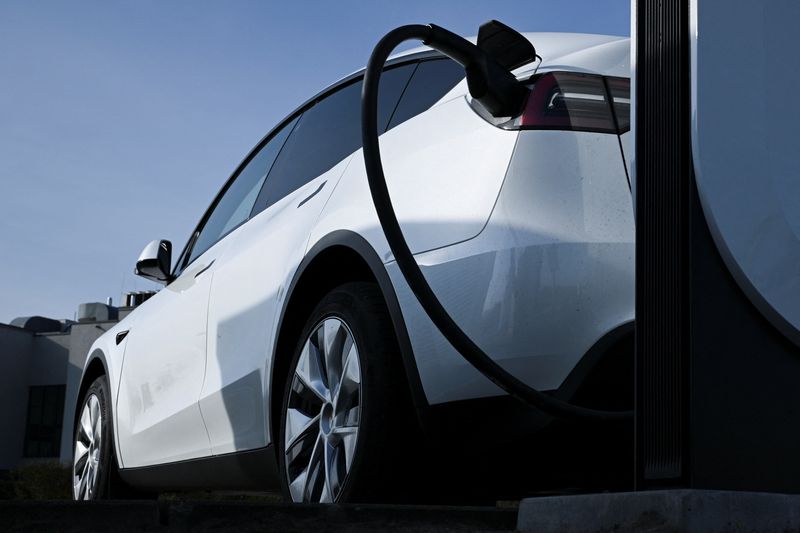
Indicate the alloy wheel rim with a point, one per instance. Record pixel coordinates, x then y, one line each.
88 445
323 414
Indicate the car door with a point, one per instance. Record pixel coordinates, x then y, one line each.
165 356
249 288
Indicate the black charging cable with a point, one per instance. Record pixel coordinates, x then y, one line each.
492 85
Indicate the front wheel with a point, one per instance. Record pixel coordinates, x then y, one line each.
345 408
92 459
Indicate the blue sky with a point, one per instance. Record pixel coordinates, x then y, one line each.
119 121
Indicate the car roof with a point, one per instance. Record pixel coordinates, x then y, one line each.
589 52
608 55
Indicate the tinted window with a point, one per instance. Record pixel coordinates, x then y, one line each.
237 201
327 133
621 95
430 82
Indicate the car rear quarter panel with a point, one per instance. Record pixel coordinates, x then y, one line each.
444 169
552 272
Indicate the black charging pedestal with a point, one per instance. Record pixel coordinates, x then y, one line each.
717 386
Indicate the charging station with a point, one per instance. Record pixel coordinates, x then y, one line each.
717 202
718 257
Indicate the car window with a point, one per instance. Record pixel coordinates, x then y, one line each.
327 133
431 81
621 96
236 203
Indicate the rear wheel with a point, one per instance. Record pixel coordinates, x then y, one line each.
345 408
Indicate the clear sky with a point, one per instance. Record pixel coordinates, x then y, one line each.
119 121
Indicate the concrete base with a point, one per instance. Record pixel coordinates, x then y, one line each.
245 517
656 511
706 511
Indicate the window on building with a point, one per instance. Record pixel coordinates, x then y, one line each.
43 427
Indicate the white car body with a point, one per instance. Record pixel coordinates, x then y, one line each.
527 237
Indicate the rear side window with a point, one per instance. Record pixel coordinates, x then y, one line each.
236 203
431 81
620 89
327 133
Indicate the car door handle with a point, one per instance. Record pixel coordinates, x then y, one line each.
121 336
313 194
197 274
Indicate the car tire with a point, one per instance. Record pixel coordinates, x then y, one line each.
93 461
345 409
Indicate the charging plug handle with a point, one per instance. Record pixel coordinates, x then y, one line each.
488 78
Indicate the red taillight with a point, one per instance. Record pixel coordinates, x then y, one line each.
567 101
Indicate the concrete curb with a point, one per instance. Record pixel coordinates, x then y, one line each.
704 511
244 517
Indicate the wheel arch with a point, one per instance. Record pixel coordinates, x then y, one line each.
95 367
605 365
349 257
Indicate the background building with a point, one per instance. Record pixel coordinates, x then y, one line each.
41 361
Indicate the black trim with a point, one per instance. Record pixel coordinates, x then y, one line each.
359 245
492 421
197 274
588 363
252 469
663 160
313 194
502 417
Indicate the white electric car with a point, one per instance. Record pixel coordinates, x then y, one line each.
286 348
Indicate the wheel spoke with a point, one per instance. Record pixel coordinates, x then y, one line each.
348 416
327 489
310 371
90 479
81 453
81 459
297 487
86 425
346 439
344 431
351 376
297 426
317 340
97 425
85 481
348 444
94 411
316 469
336 338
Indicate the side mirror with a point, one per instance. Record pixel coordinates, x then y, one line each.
154 261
